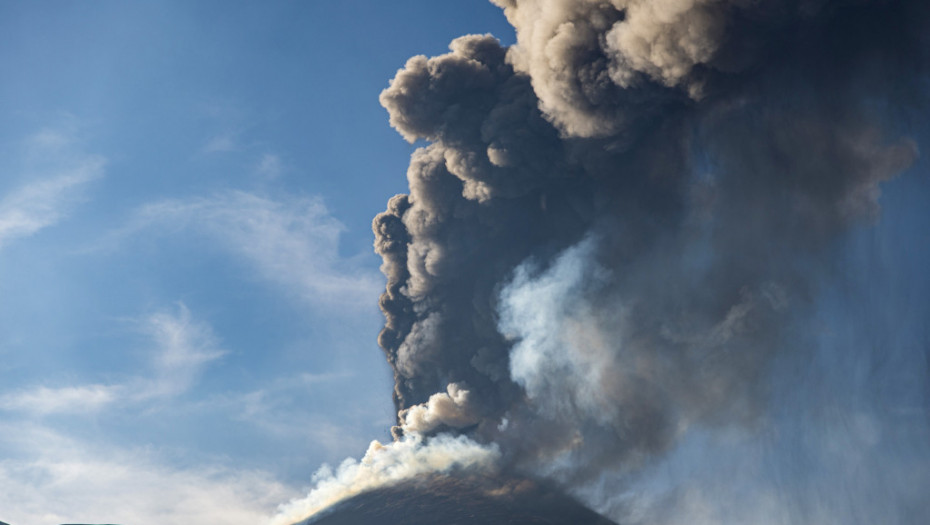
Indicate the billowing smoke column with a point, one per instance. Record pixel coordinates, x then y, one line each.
619 222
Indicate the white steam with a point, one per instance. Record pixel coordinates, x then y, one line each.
561 361
387 465
450 408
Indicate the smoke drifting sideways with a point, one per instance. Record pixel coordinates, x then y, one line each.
615 242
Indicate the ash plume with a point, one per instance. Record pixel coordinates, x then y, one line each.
619 224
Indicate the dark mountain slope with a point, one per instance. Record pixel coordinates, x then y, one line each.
454 501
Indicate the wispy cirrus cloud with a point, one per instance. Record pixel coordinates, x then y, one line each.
181 347
223 143
53 184
72 399
292 242
48 477
284 409
269 166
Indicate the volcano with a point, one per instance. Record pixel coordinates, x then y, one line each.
460 501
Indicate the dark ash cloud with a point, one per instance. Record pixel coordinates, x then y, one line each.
619 223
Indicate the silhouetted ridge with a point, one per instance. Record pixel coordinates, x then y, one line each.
455 501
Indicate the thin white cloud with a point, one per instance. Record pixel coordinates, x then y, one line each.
265 410
220 144
269 166
229 121
74 399
49 478
293 243
283 410
53 188
183 347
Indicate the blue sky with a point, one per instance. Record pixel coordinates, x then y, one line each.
189 294
189 316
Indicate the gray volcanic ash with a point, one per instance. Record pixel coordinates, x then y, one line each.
615 236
